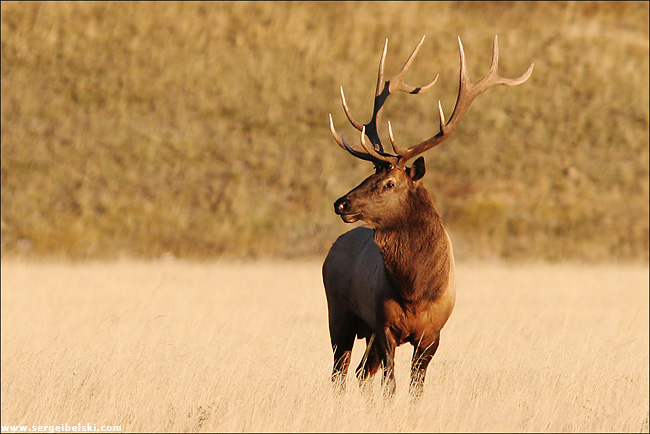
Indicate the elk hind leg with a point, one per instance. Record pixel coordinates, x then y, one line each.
422 355
342 335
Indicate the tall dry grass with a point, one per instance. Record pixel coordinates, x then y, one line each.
200 129
187 347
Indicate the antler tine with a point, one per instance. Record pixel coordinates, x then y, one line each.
441 114
493 78
380 74
383 90
357 125
467 92
379 155
336 135
396 148
396 82
342 143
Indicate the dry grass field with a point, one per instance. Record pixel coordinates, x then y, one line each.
187 346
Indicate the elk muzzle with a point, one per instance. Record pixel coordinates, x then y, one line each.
343 208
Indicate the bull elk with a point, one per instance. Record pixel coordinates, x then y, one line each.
392 280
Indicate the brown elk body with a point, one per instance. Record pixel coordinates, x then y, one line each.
392 281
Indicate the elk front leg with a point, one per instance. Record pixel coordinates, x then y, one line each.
387 345
422 355
370 362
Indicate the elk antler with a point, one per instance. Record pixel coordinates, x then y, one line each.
467 92
384 89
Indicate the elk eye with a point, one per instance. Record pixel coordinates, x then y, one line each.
390 184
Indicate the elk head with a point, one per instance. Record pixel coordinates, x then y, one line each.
383 195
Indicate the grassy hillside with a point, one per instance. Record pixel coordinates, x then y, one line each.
200 129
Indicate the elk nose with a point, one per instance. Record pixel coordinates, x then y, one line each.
341 206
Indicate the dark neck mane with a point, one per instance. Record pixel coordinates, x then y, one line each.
416 249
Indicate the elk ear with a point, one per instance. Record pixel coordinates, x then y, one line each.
417 170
